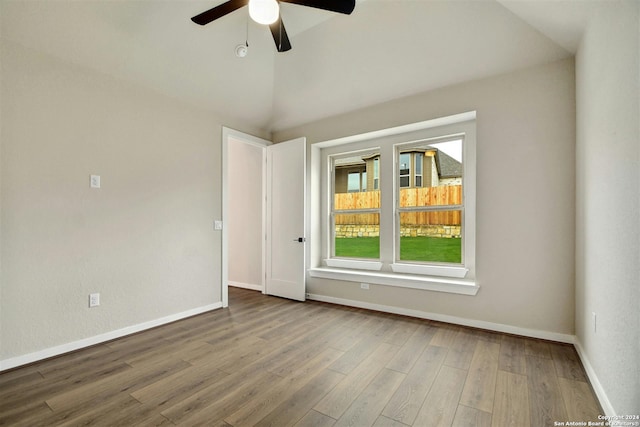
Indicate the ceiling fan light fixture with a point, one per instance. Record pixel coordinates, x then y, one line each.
264 12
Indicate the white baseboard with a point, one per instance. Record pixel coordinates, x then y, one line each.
595 382
245 286
87 342
498 327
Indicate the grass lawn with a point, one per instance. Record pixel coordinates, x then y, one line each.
431 249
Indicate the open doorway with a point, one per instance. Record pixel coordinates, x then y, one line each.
243 212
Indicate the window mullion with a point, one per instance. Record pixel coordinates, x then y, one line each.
431 208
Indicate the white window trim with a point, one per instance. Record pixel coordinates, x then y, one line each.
354 264
430 270
451 279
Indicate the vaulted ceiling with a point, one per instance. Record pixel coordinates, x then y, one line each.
386 49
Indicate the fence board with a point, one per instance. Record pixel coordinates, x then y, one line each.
443 195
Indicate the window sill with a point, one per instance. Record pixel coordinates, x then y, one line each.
357 264
453 286
430 270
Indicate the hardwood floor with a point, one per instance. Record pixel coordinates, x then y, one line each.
268 361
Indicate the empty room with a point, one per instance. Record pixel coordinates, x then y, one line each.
320 213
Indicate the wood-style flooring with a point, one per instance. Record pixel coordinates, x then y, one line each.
270 361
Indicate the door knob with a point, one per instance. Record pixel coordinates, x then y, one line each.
300 239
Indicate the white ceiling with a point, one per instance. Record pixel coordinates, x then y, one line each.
386 49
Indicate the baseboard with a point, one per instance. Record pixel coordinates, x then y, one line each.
15 362
498 327
595 382
245 286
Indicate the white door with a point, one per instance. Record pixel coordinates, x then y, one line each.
286 243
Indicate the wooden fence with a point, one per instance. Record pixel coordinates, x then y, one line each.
443 195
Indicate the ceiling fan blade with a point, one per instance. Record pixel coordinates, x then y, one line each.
280 36
219 11
340 6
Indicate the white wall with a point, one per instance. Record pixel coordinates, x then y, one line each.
525 197
144 241
246 237
608 210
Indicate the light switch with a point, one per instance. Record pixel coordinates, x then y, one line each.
95 181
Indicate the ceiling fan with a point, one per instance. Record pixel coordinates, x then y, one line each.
267 12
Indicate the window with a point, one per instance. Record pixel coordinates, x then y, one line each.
353 182
405 170
429 218
355 214
376 173
413 218
419 165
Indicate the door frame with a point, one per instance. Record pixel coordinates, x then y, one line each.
230 136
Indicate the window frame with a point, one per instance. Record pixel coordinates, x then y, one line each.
332 259
418 174
408 170
422 267
445 278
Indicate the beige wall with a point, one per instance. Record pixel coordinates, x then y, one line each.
525 196
144 241
608 203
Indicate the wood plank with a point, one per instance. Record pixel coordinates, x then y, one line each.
366 345
221 398
109 387
95 415
174 388
479 388
367 407
315 419
567 362
335 403
440 405
361 325
25 414
400 332
545 397
537 348
511 406
407 400
471 417
462 349
383 421
51 387
445 335
298 351
410 352
294 408
252 411
512 355
579 400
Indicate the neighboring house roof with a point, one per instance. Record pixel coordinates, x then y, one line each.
448 167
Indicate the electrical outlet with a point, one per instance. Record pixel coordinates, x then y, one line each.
364 286
217 225
95 181
593 314
94 300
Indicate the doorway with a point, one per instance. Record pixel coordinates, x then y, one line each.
243 211
263 206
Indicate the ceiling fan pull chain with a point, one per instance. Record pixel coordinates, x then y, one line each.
246 41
